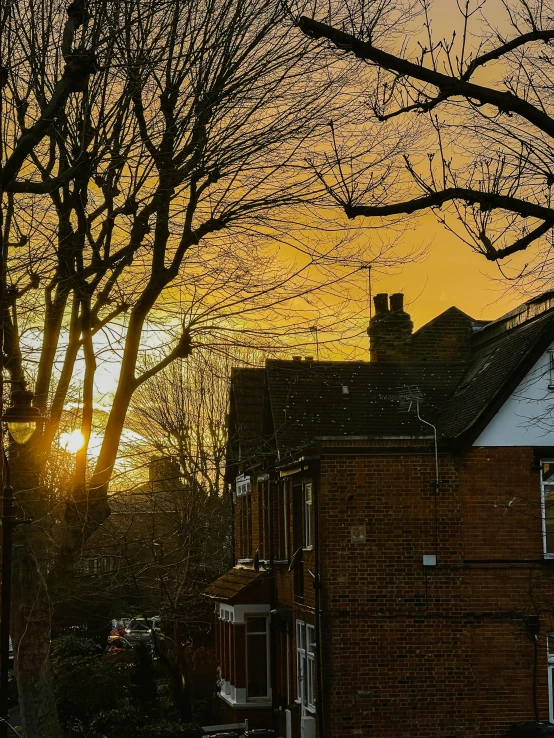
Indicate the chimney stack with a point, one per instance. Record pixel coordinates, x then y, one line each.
390 330
381 302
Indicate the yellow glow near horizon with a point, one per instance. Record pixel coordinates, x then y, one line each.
72 442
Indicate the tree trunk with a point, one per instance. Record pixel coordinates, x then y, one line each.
30 629
31 608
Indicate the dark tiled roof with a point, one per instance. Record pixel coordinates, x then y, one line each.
307 399
496 367
232 583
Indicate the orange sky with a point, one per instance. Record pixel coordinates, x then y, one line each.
452 274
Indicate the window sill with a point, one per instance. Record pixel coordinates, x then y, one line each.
242 705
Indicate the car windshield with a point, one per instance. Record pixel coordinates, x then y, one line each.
140 625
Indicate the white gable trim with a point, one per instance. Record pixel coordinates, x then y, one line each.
527 416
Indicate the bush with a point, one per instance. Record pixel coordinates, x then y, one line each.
126 723
111 698
84 683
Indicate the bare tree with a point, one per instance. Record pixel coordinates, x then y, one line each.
485 93
149 150
182 415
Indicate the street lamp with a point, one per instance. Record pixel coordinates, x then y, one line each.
21 418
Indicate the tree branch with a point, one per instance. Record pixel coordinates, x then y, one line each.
181 351
494 254
46 186
489 200
500 51
507 102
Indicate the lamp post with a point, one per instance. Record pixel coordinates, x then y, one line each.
21 418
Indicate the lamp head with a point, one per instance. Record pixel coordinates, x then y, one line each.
22 416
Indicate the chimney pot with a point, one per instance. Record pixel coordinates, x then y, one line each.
397 302
381 302
390 330
297 358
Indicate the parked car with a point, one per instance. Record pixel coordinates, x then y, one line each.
140 629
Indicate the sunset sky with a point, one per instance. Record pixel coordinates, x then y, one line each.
452 274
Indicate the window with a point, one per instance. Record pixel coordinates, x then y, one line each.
300 659
257 661
243 516
264 518
550 657
308 515
242 486
283 522
547 489
244 528
305 665
310 666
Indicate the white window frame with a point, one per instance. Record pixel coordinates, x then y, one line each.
300 660
267 696
305 667
550 661
308 495
243 486
310 667
545 488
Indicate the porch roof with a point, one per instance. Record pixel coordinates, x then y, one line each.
233 583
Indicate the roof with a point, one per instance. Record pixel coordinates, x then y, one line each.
308 400
233 583
496 368
461 386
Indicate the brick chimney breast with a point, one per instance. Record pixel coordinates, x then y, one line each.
390 330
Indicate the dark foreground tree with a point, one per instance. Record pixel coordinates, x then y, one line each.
486 93
149 149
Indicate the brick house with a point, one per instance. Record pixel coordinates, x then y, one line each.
394 533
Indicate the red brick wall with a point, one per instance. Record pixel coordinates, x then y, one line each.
431 652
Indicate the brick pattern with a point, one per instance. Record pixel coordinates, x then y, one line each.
408 650
432 651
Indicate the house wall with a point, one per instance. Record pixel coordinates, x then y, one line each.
525 418
431 651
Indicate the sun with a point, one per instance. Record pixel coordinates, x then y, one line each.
72 442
